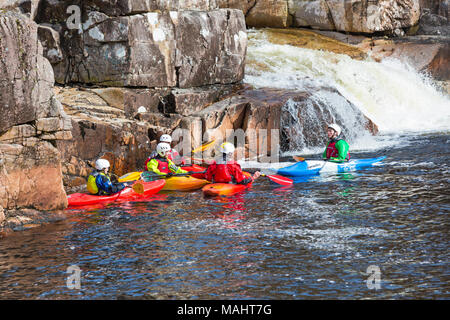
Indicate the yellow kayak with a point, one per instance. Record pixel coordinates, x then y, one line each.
131 176
186 183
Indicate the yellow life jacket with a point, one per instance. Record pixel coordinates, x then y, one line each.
91 184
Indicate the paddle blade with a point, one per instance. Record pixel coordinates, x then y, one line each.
205 146
138 188
280 179
298 159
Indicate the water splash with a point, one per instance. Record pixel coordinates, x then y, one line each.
392 94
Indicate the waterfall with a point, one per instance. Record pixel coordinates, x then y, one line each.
395 97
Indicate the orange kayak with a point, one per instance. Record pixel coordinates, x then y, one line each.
223 189
127 194
186 183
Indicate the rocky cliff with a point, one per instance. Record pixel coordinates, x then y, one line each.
31 121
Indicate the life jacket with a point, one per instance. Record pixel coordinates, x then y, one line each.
163 164
92 184
332 151
172 156
222 171
153 155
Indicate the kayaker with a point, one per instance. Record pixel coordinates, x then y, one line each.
174 156
337 148
161 164
226 170
99 181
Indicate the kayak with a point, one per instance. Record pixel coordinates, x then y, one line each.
136 175
185 183
313 167
225 189
127 194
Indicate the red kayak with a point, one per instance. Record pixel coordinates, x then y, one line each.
127 194
195 167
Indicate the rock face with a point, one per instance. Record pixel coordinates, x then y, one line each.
359 16
124 45
425 53
31 121
356 15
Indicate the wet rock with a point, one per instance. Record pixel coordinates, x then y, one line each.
424 53
259 111
433 24
30 177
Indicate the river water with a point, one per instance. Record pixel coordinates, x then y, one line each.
314 240
380 233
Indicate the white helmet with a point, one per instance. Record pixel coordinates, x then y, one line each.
165 138
141 109
335 127
162 148
227 147
101 164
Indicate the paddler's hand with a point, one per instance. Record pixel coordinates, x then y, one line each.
256 175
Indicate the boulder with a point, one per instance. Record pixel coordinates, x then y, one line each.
425 53
269 13
30 177
433 24
358 16
271 120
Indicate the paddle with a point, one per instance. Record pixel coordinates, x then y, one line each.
204 146
151 176
301 159
279 179
138 188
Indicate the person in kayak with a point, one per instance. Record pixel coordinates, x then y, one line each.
337 148
173 155
161 163
226 170
99 181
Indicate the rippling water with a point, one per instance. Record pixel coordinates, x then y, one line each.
313 240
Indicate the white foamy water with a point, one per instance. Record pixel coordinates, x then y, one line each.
393 95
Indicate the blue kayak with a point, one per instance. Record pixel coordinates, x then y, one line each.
313 167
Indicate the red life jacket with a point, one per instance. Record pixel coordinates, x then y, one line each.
225 172
163 165
222 174
173 155
332 151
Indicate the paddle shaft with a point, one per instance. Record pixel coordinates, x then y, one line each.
164 176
